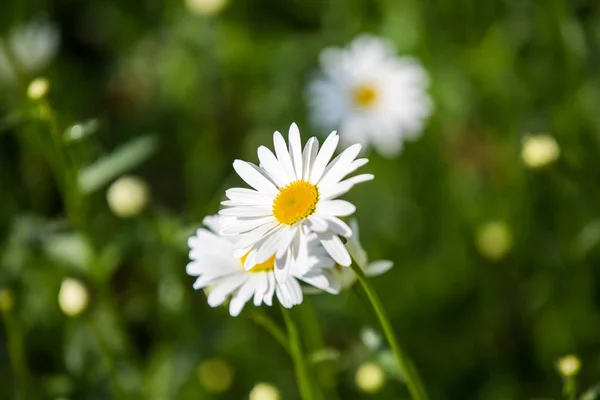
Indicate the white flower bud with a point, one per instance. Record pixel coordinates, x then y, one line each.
568 366
73 297
205 7
38 88
494 240
127 196
264 391
215 375
7 300
370 377
539 150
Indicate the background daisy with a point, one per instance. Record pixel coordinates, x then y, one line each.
294 192
30 48
217 268
370 95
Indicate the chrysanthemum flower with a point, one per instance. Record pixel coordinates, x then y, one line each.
370 95
30 48
294 193
213 262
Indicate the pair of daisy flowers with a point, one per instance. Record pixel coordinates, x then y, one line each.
285 229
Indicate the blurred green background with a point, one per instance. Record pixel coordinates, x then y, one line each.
173 95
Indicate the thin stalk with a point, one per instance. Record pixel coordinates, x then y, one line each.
120 393
262 319
300 367
17 355
415 387
313 338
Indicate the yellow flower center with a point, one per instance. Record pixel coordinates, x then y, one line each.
268 265
296 201
365 96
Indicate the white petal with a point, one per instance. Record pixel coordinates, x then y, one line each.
250 238
322 281
246 211
220 293
317 223
284 157
334 191
245 196
244 225
334 246
340 167
254 177
309 154
239 300
270 163
212 222
295 147
338 226
323 157
268 247
268 297
282 267
378 267
359 178
262 285
338 208
250 260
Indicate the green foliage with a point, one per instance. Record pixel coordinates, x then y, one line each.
213 88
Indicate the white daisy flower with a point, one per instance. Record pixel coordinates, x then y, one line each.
346 276
370 95
213 262
294 192
29 48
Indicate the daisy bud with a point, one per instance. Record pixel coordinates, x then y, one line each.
568 366
7 300
38 88
215 375
370 377
206 8
494 240
264 391
73 297
539 150
127 196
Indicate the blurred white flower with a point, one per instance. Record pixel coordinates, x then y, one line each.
568 366
494 240
370 377
295 194
127 196
264 391
539 150
38 88
206 7
370 338
345 275
30 48
215 265
73 297
215 374
370 95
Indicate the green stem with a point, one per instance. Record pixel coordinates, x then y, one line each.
313 338
300 367
262 319
415 387
110 365
17 355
